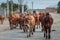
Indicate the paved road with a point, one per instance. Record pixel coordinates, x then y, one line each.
17 34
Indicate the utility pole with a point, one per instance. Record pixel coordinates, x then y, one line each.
7 8
4 12
32 6
18 6
27 5
21 7
11 6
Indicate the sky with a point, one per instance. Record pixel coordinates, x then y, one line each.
37 4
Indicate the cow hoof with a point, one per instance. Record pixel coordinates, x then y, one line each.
42 30
32 33
49 37
27 36
46 37
37 27
24 30
33 30
21 28
15 27
11 28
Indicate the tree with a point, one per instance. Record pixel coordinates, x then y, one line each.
25 8
3 5
15 7
58 9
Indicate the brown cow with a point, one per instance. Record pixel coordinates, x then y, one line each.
47 23
42 15
13 20
37 21
2 17
21 21
29 22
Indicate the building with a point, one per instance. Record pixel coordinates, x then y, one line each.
51 9
3 11
37 10
48 9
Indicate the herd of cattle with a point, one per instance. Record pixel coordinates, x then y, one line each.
28 22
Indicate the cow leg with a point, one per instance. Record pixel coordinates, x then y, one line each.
32 33
46 33
1 21
29 31
34 29
25 28
20 27
29 34
15 26
49 31
42 27
11 26
39 25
